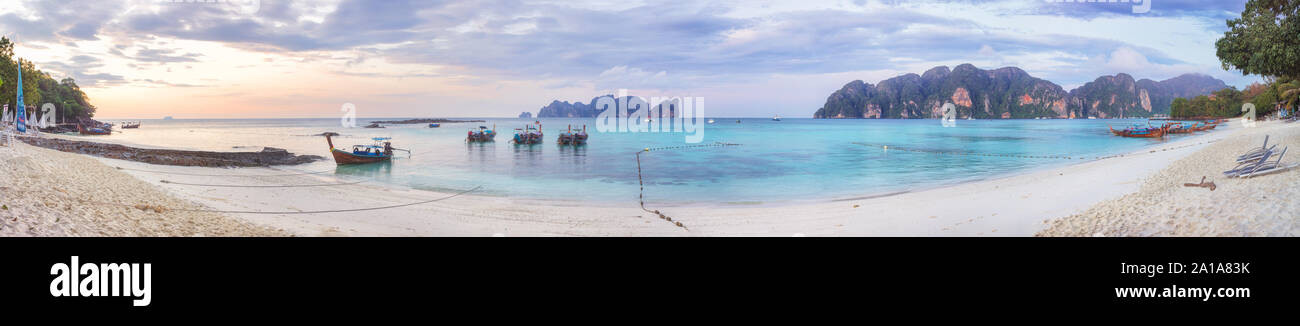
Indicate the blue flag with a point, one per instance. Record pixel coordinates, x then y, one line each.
21 115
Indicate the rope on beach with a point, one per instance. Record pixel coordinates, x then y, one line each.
640 181
223 175
1063 157
158 209
260 186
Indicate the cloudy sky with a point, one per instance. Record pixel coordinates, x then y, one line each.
393 58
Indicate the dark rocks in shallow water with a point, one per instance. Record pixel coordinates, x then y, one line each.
267 157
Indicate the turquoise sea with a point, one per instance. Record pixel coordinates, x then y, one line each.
776 161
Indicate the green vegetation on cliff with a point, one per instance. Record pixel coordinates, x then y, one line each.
1009 93
39 87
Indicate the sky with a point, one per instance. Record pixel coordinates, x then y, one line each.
747 58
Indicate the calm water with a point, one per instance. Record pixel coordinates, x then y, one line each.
790 160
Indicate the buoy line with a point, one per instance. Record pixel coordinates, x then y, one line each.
641 183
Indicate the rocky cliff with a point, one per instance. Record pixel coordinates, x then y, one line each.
1008 93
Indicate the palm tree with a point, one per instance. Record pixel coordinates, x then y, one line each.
1288 93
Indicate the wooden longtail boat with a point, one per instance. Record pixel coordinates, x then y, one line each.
528 135
570 137
482 135
94 131
1179 128
361 154
1209 125
1149 132
130 125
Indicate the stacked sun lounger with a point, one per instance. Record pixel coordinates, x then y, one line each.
1260 161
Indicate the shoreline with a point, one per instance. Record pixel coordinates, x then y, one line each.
1163 206
1021 204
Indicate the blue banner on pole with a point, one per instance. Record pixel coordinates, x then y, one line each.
20 116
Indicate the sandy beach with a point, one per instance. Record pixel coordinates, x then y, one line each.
1139 194
52 193
1262 206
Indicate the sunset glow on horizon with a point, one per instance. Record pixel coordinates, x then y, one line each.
148 59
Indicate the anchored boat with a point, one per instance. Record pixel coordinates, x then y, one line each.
528 135
94 131
571 137
1137 131
380 151
482 135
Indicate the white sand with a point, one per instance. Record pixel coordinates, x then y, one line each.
52 193
1261 206
1014 206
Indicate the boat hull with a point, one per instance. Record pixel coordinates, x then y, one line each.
342 157
91 132
1146 133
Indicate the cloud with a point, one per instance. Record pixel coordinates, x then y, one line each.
727 46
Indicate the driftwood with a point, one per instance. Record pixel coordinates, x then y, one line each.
1203 184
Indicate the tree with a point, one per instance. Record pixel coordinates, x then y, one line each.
1264 40
39 87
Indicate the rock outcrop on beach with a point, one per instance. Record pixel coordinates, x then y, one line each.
1008 93
267 157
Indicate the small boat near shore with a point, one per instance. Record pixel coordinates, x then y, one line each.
1137 131
94 131
776 117
131 125
380 151
1180 128
435 125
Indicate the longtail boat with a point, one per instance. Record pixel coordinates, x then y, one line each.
131 125
93 131
1180 128
482 135
528 135
381 151
1139 132
1208 125
571 137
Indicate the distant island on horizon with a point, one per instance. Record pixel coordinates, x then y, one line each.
1003 93
1010 93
